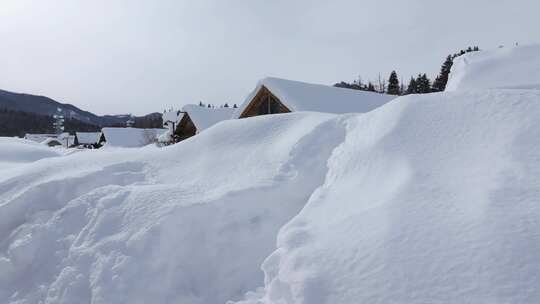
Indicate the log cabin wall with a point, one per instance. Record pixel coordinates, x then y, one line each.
264 103
186 128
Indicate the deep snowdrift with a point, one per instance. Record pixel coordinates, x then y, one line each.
432 199
190 223
428 199
508 67
16 151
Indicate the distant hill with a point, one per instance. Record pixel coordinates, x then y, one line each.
45 106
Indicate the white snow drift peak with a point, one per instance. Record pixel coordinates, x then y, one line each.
190 223
507 67
430 199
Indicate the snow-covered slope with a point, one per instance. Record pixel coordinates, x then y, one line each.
508 67
431 199
428 199
15 151
190 223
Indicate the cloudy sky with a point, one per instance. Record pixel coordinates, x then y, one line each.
141 56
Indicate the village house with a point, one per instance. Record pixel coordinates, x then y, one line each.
65 139
192 120
275 95
91 140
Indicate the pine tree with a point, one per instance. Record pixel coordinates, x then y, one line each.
226 105
423 84
370 87
412 87
440 82
393 84
201 104
235 106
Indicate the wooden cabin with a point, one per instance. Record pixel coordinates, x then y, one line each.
196 118
275 95
89 140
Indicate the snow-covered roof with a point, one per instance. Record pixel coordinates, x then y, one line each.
301 96
130 137
39 137
88 137
503 68
204 117
172 116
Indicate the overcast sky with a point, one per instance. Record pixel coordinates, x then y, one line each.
135 56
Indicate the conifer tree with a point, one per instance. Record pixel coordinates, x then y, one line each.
412 87
440 82
370 87
423 84
393 84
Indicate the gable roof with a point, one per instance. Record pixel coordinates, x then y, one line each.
88 137
203 117
172 116
130 137
302 96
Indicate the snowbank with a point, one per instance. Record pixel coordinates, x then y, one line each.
508 67
16 151
190 223
431 199
428 199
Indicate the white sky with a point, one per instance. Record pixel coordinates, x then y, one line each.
135 56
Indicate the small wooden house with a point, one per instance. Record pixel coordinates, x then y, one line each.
198 118
91 140
275 95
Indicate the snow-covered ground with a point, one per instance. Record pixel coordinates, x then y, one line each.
515 67
428 199
15 152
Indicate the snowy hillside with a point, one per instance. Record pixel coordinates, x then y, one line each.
508 67
428 199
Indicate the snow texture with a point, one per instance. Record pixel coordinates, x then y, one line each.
301 96
130 137
507 67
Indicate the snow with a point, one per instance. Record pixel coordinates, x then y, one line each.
427 199
204 117
431 199
130 137
140 226
88 137
507 67
15 152
301 96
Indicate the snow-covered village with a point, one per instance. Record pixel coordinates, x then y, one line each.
250 152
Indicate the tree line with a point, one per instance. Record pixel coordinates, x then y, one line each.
420 84
18 123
